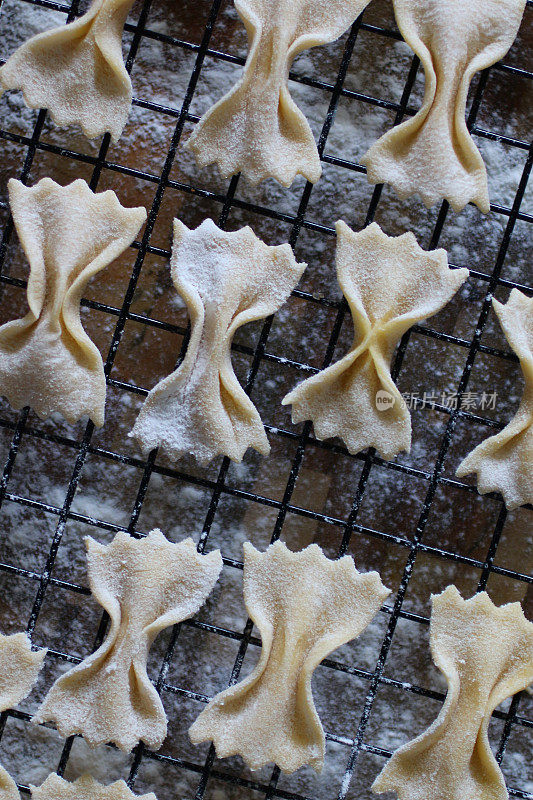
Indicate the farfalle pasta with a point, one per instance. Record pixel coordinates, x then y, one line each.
390 283
226 279
68 234
145 585
504 462
84 788
19 668
76 71
257 128
432 153
485 653
305 605
8 787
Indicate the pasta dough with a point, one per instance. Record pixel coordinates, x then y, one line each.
433 153
257 128
226 279
8 787
305 605
76 71
84 788
19 668
504 462
145 585
68 233
486 655
390 283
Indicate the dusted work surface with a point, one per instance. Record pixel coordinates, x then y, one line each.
411 519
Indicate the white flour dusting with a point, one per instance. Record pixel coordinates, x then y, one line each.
327 483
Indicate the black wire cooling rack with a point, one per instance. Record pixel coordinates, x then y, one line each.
354 741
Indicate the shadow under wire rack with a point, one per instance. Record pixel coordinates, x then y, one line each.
343 526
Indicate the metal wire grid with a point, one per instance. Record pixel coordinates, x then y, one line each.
355 740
